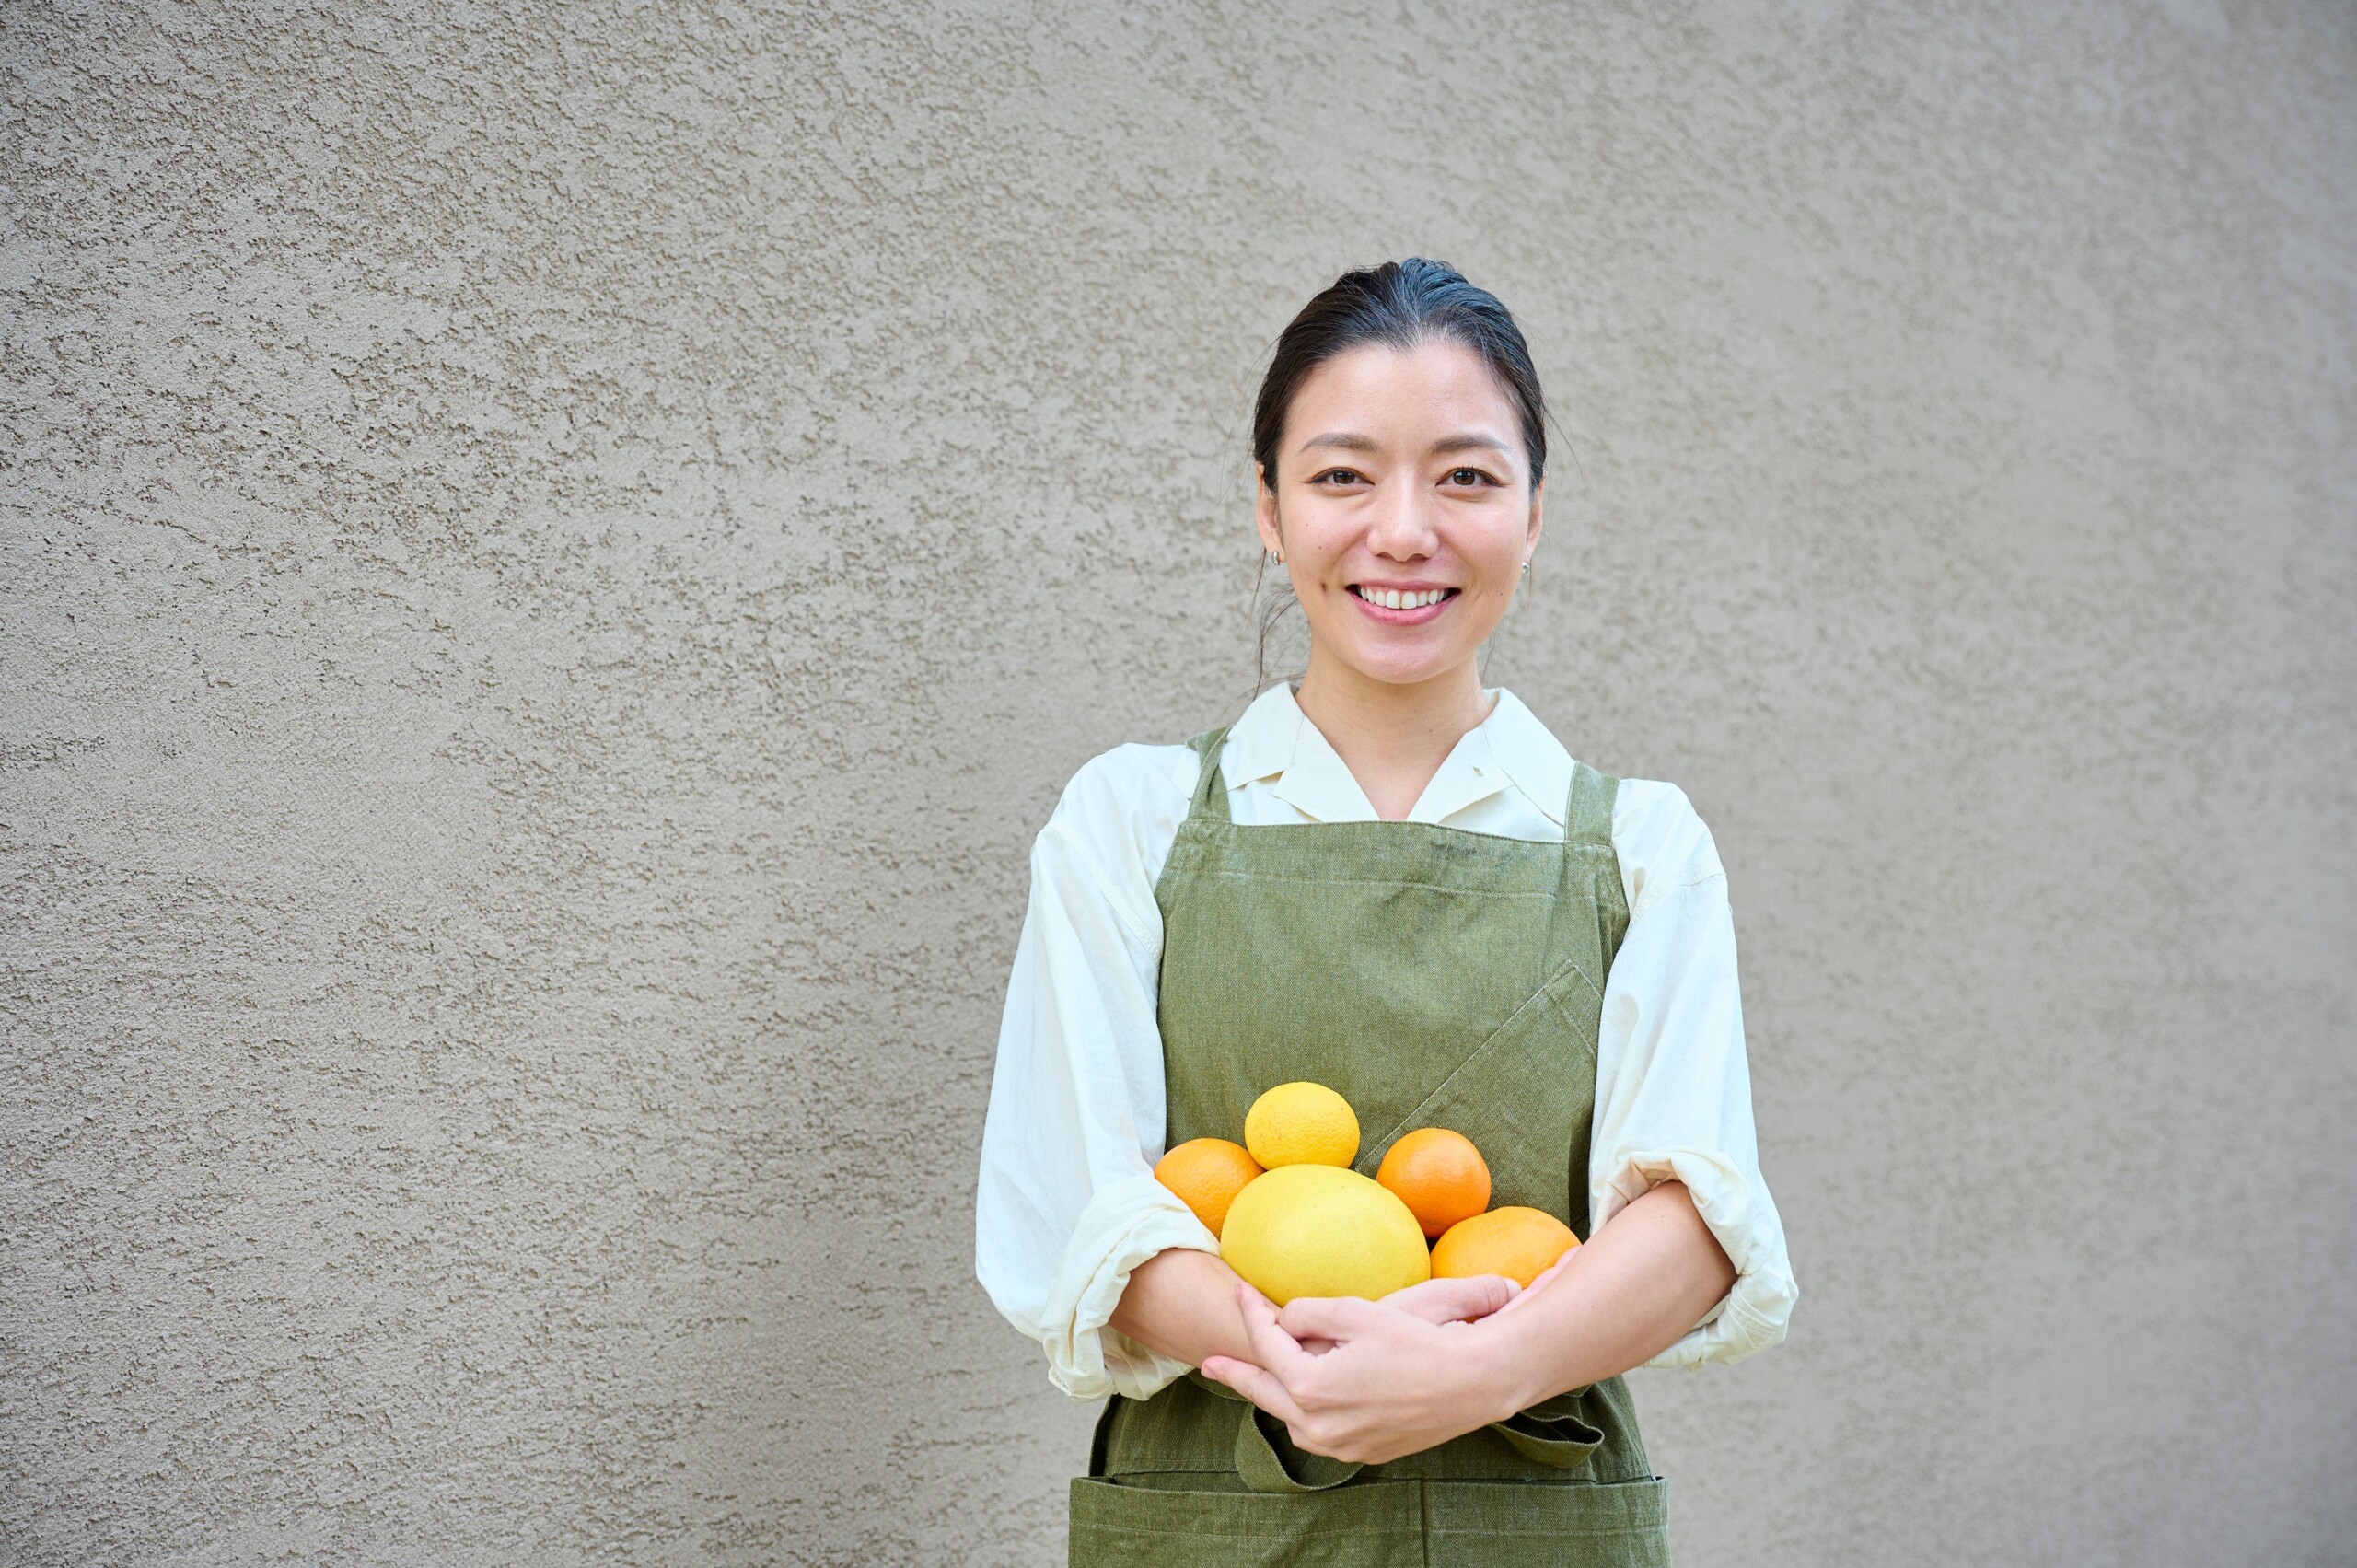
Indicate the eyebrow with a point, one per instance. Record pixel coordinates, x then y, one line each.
1464 441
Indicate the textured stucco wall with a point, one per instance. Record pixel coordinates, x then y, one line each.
555 556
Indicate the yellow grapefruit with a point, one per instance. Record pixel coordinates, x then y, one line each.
1322 1231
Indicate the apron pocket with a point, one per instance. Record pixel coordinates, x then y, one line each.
1375 1525
1479 1524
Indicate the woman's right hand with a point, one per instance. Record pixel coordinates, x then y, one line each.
1442 1301
1455 1301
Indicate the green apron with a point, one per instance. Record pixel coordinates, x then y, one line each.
1437 978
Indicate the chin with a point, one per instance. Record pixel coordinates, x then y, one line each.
1397 671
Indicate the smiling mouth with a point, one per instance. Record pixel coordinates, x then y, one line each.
1393 599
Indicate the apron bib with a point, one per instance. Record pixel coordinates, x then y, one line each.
1434 977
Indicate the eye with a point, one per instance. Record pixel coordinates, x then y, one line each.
1469 477
1336 477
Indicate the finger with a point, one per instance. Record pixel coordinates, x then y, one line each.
1327 1317
1485 1294
1421 1300
1451 1301
1277 1351
1543 1275
1255 1384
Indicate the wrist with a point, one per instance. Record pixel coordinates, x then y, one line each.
1506 1368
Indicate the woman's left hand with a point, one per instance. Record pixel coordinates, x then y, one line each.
1392 1381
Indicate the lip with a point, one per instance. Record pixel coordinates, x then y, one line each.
1385 615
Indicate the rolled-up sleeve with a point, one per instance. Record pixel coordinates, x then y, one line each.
1067 1204
1674 1095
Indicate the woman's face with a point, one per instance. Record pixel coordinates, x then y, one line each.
1401 477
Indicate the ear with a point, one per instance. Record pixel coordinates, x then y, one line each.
1264 512
1538 502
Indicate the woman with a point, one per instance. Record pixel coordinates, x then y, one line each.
1396 883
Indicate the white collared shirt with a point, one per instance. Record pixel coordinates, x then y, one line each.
1067 1204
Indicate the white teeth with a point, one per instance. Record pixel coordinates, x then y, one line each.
1395 598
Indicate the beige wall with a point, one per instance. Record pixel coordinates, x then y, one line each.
555 557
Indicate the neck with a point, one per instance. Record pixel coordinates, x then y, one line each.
1393 737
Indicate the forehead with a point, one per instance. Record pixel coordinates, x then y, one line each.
1397 396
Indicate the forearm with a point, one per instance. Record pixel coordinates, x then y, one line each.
1630 1292
1182 1302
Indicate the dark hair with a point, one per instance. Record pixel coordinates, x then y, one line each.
1401 304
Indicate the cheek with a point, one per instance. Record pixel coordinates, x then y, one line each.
1502 563
1319 519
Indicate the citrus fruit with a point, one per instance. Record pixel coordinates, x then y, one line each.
1208 1173
1516 1242
1300 1123
1322 1231
1439 1175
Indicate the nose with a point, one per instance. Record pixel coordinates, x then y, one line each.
1401 529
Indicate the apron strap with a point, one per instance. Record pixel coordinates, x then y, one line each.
1587 807
1587 827
1264 1470
1209 803
1552 1431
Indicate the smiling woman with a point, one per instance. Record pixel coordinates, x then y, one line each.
1401 504
1394 882
1459 347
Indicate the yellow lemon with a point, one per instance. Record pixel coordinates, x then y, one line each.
1319 1230
1300 1123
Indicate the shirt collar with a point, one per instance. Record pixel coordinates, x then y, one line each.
1261 741
1530 755
1273 738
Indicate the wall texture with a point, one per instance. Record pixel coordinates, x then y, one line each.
556 555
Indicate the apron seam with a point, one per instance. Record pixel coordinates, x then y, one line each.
1547 989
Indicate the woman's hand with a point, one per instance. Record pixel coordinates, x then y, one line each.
1395 1378
1455 1301
1439 1301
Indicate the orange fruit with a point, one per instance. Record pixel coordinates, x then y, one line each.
1208 1173
1439 1174
1519 1243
